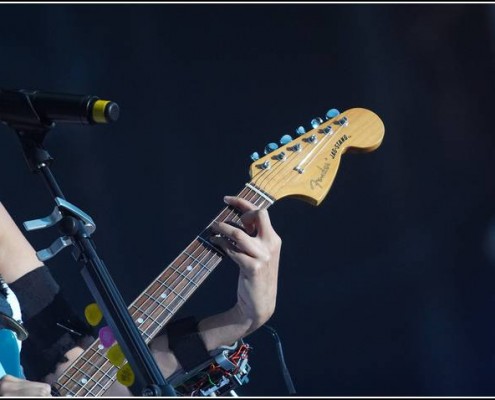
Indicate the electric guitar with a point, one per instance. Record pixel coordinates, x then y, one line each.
304 168
10 360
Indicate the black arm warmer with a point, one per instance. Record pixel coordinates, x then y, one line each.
48 318
186 343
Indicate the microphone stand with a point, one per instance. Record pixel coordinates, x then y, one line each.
76 228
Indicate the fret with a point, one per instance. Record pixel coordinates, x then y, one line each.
146 317
134 306
81 378
184 275
59 389
260 193
141 313
99 374
154 302
148 308
176 293
76 383
155 286
147 338
195 259
217 249
103 359
139 309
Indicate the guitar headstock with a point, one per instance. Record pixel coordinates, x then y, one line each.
306 166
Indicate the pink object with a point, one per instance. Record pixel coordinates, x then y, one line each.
106 336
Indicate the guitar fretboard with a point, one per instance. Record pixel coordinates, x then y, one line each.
92 373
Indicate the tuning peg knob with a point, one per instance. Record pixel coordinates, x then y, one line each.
333 112
285 139
316 122
255 156
270 147
300 131
328 130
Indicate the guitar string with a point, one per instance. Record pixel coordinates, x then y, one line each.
200 262
159 305
139 309
317 153
313 153
317 145
144 332
208 251
268 173
294 154
326 138
183 275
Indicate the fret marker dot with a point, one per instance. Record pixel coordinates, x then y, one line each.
189 268
140 320
84 381
163 295
101 347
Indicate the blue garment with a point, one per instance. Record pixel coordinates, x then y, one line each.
10 362
10 347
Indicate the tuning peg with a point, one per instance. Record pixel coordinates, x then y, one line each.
255 156
328 130
316 122
333 112
300 131
270 147
285 139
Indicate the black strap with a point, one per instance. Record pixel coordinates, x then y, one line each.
54 328
186 343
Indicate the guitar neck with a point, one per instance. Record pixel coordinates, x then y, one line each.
304 168
92 373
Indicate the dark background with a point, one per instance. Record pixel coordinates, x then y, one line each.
387 287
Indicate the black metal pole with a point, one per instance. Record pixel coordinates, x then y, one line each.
149 379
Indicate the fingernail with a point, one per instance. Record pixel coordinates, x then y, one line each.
226 199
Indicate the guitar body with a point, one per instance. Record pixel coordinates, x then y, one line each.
10 354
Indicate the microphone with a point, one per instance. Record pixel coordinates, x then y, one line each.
26 109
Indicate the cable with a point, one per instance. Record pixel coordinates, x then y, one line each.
285 370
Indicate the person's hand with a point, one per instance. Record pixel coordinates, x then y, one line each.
256 249
14 387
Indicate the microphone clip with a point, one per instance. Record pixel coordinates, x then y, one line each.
65 214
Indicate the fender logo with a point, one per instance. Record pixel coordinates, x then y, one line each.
323 171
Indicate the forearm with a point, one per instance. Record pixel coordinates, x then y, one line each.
17 256
218 330
225 328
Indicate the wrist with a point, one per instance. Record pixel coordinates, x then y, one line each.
225 328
